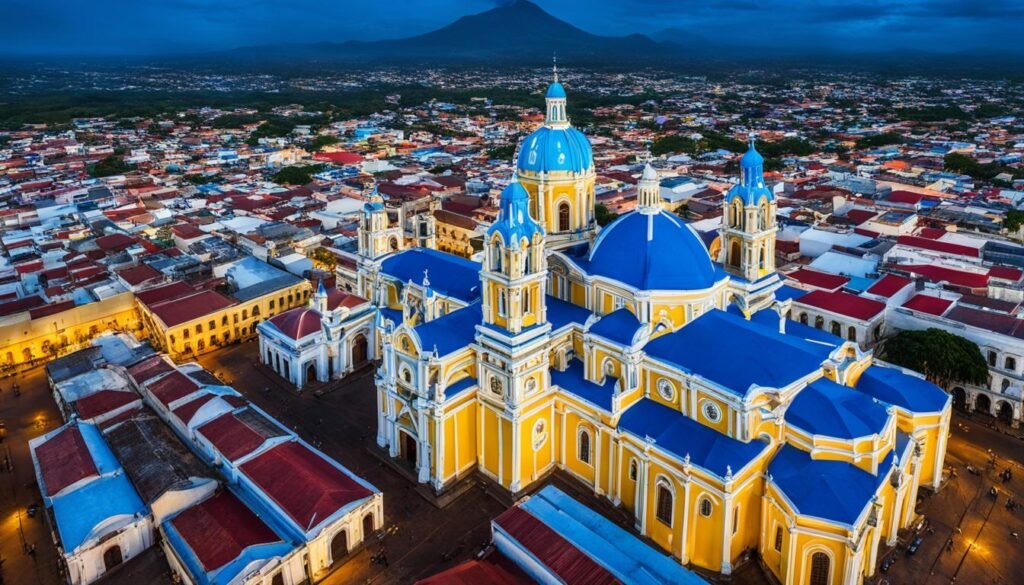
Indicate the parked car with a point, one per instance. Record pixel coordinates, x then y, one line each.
912 549
888 563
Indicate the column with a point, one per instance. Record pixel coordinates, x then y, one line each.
684 553
381 397
727 535
423 453
516 483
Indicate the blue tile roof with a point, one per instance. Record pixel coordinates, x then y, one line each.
910 392
560 313
573 382
735 353
680 435
831 490
653 252
619 326
79 512
451 332
618 551
393 314
549 149
769 318
829 409
450 275
456 389
786 292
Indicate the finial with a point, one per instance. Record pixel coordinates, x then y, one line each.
426 278
728 472
751 138
554 65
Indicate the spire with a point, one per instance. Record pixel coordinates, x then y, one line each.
752 165
648 199
556 100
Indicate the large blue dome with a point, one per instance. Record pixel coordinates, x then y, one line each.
550 149
652 251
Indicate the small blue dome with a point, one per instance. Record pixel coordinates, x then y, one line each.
751 188
555 90
654 251
555 149
514 222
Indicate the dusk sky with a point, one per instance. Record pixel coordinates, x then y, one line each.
162 26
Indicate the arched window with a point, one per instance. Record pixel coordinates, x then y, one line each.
820 569
1005 385
563 217
735 254
778 539
837 329
632 469
527 304
705 507
1010 363
851 333
663 511
992 358
501 303
761 264
819 322
584 444
803 318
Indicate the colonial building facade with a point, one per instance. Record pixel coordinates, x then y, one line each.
670 383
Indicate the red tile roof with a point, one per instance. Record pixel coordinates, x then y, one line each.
951 275
138 274
308 488
298 322
219 529
162 293
908 197
232 437
115 242
1006 273
149 368
939 246
50 309
64 460
173 386
20 305
842 303
889 285
552 550
339 298
931 233
495 569
860 215
928 304
188 308
339 158
103 402
186 411
817 279
988 320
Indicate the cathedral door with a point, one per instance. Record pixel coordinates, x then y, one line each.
339 546
112 557
359 350
408 447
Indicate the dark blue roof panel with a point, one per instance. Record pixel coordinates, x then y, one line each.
450 275
829 409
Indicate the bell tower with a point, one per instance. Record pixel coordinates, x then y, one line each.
748 222
512 338
376 236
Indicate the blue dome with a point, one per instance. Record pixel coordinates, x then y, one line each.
655 251
555 90
514 221
555 149
751 188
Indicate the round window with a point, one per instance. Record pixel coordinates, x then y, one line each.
712 412
666 390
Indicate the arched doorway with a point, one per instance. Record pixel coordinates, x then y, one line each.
112 557
368 525
359 353
339 546
983 404
407 447
959 398
310 372
1005 412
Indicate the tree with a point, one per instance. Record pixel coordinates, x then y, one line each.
324 259
883 139
108 167
323 140
941 356
296 174
603 215
1013 220
505 152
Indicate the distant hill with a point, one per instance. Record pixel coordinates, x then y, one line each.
519 31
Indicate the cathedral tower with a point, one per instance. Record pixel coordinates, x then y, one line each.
748 222
376 236
556 167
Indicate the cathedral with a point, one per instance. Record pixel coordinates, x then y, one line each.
666 380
